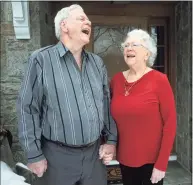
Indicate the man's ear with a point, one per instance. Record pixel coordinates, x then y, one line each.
63 26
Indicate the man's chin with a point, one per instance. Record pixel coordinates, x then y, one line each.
86 41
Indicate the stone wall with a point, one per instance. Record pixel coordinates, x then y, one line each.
184 83
14 54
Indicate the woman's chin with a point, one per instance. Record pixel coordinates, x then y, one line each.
130 62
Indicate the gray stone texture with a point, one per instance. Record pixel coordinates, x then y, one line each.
14 55
184 83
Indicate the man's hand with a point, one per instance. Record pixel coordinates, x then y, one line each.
106 152
38 167
157 175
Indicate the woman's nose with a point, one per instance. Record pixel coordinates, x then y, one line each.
129 48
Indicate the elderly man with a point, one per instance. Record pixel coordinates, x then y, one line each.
63 108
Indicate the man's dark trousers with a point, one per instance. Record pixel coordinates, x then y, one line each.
70 166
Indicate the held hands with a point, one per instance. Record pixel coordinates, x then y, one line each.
106 153
157 175
38 167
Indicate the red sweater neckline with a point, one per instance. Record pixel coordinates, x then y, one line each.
146 74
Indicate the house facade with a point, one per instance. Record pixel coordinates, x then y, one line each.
27 26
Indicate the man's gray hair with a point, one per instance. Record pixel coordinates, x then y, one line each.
149 43
61 15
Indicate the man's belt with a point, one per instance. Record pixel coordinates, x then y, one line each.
70 146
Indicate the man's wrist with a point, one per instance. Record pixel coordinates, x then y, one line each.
111 142
35 156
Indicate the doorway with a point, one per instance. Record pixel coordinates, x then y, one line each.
108 32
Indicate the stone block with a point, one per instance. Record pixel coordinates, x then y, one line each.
16 147
14 131
3 60
179 156
16 45
190 126
6 11
19 156
185 40
184 13
190 166
179 144
33 44
178 16
34 10
15 63
9 88
7 29
185 161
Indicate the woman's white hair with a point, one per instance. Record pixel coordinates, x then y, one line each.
149 43
61 15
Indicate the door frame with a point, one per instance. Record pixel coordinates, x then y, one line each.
143 21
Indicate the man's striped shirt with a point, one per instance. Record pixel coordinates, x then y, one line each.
62 102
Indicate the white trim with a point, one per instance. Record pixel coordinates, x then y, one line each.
113 162
172 157
21 21
22 166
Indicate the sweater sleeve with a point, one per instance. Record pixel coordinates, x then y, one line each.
168 113
110 125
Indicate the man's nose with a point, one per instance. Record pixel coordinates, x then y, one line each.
88 22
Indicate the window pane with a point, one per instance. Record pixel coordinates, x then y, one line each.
107 44
160 57
157 32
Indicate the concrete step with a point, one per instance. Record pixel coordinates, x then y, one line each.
175 175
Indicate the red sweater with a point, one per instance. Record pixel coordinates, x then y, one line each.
146 120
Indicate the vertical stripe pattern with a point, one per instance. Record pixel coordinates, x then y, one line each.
60 101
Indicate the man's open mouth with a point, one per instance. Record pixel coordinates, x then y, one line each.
86 31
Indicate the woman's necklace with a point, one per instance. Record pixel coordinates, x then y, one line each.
128 89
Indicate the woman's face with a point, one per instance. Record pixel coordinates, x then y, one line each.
135 52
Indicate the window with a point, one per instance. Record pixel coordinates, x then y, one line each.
158 30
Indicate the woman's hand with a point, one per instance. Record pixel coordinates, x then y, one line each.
157 175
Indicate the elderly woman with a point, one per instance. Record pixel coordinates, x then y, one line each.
144 109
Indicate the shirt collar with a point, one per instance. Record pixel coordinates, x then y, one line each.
63 50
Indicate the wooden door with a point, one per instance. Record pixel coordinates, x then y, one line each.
108 32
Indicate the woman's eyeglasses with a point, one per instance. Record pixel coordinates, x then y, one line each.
132 45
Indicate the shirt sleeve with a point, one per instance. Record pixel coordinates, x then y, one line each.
29 110
110 125
168 113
